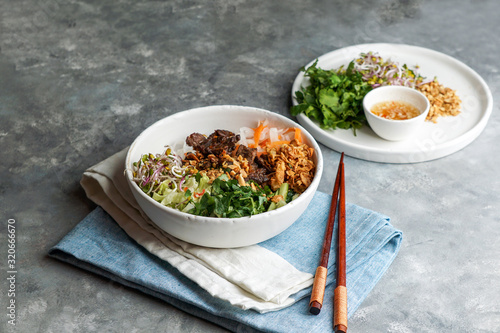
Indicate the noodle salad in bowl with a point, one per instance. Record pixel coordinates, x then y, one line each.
229 175
235 177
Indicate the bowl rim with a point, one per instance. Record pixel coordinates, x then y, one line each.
210 219
398 121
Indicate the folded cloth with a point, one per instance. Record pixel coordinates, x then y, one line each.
273 275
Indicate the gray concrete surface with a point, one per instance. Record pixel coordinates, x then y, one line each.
80 79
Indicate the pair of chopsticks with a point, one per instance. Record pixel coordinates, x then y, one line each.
340 292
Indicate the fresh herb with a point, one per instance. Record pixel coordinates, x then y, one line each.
334 98
228 199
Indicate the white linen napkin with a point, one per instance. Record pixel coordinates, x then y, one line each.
251 277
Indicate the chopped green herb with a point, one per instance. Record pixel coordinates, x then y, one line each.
228 199
334 98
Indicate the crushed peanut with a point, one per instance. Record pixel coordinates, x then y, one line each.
444 101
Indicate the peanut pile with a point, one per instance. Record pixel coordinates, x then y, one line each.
444 101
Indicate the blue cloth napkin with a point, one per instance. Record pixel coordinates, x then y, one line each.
99 245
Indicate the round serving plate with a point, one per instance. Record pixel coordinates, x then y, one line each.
434 140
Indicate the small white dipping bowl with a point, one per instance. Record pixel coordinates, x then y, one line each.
212 231
396 130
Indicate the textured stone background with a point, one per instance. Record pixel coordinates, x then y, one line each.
79 80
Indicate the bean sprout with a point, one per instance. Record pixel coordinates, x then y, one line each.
379 72
152 170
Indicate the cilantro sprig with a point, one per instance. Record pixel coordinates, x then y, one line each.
334 98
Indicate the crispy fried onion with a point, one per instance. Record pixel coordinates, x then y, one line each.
293 164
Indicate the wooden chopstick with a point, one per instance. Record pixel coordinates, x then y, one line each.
340 292
319 284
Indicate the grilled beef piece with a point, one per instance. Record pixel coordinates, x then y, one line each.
259 175
195 140
218 142
258 172
209 152
249 153
263 162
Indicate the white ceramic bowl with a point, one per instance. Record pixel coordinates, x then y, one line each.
396 130
212 231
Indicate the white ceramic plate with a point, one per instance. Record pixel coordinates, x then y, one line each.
433 141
